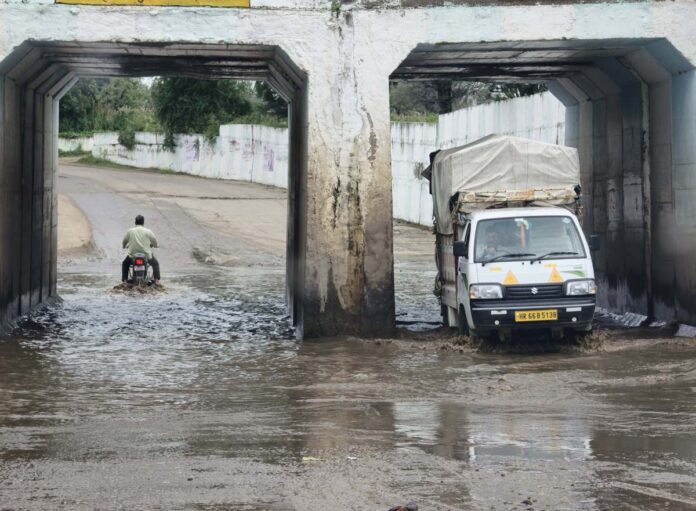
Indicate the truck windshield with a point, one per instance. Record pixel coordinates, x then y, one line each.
527 238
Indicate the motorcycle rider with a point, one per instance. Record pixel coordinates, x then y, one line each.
139 239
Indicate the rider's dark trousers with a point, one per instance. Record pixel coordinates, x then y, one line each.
127 262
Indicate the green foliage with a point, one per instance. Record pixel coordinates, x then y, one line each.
466 94
172 105
74 134
416 98
271 102
127 139
169 142
263 119
119 104
427 118
185 105
78 107
78 151
412 98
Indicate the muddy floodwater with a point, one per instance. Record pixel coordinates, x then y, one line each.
200 398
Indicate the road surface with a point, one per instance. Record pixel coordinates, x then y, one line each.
200 397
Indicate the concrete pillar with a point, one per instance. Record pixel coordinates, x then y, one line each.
579 135
683 239
10 202
348 267
633 283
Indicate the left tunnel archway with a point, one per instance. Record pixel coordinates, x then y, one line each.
32 81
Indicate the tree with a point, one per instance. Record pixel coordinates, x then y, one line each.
413 97
125 105
78 107
272 103
187 105
119 104
424 97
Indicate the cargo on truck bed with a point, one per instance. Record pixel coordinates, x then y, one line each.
497 171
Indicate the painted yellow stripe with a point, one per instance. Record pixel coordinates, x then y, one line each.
178 3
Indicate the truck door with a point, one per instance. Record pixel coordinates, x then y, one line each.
461 265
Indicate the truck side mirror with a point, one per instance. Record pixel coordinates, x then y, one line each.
461 249
594 242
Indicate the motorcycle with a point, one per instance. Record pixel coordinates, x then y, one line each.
140 271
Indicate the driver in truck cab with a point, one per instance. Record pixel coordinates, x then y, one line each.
139 239
490 248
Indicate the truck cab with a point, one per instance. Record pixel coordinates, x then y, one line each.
522 268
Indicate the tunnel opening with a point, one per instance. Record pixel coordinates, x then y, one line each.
34 79
623 103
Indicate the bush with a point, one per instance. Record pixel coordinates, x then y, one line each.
76 134
428 118
169 142
127 139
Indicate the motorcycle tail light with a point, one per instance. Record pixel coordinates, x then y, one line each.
139 262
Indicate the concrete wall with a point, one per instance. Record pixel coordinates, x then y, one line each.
539 117
242 151
75 144
411 145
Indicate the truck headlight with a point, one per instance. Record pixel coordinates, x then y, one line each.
485 291
581 287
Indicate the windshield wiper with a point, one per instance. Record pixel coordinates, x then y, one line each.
553 254
501 256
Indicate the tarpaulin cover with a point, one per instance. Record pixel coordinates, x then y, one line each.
497 169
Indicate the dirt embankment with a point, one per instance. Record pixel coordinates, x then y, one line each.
74 229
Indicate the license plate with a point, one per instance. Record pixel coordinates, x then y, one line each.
538 315
139 268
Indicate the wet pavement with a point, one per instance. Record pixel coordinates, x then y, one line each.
200 398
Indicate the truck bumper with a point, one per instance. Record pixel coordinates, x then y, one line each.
573 312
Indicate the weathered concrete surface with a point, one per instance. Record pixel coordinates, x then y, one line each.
335 67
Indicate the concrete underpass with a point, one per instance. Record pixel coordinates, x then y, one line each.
624 72
196 394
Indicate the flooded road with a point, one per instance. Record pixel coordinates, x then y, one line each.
200 397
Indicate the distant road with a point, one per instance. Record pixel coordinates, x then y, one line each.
195 219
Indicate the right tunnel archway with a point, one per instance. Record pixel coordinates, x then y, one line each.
627 112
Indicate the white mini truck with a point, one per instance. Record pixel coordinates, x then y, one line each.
510 250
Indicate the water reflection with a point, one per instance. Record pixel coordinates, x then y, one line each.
211 369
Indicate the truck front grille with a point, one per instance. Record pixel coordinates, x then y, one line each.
540 291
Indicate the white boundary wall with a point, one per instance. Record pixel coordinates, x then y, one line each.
411 145
242 152
260 154
73 144
539 117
